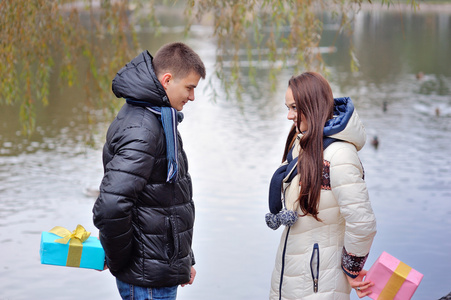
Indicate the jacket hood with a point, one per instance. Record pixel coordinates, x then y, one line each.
345 125
138 81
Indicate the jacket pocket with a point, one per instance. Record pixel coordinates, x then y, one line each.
172 239
169 245
314 267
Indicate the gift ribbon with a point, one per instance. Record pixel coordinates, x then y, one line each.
76 239
395 282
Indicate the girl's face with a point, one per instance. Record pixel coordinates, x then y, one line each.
293 113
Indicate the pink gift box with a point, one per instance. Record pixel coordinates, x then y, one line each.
392 279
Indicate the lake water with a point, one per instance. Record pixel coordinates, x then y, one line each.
233 149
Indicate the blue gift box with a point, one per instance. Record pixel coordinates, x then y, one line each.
54 253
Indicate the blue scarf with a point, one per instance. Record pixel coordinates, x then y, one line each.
169 118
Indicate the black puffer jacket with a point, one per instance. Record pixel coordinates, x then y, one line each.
145 223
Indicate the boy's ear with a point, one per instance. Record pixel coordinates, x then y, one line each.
165 79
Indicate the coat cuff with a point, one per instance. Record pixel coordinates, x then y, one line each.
352 264
193 260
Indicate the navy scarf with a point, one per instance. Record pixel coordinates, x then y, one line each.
169 117
275 189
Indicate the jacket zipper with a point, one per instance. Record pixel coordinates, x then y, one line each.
172 240
175 239
283 263
314 266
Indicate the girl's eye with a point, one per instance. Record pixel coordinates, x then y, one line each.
293 107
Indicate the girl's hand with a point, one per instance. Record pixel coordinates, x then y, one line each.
361 286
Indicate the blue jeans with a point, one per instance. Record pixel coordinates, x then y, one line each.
134 292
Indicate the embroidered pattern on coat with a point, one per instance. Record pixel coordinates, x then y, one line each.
352 264
325 180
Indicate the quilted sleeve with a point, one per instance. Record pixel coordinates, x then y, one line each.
124 179
349 188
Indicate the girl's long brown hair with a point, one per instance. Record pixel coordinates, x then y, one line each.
314 99
290 141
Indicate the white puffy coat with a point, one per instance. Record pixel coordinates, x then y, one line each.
347 220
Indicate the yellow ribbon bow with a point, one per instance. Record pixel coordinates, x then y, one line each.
76 238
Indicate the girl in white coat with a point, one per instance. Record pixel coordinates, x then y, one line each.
319 194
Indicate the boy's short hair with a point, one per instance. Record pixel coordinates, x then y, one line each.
179 60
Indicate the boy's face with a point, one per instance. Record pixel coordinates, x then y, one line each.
180 90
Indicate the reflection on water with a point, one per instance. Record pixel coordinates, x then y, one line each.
233 149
